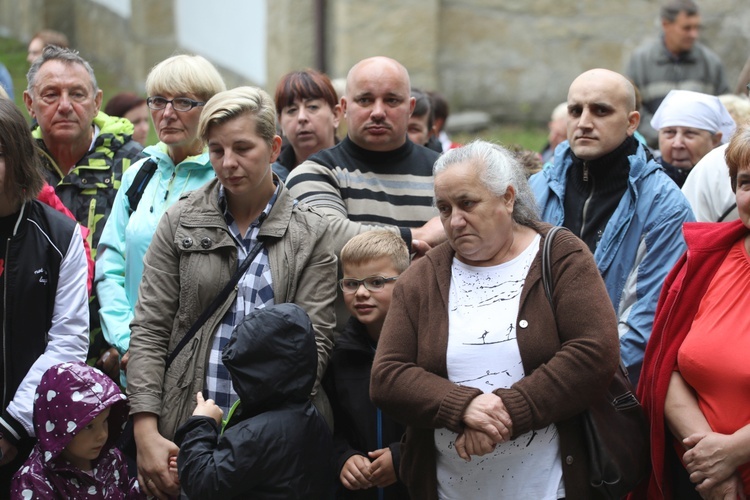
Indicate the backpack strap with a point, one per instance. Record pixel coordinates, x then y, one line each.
144 175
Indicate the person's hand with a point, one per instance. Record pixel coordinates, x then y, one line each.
728 489
488 414
154 452
419 248
9 451
173 468
355 472
710 458
473 442
207 408
382 473
109 363
124 362
432 232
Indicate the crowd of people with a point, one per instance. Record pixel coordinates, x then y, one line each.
319 295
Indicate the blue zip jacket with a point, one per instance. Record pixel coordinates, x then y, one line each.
126 236
640 244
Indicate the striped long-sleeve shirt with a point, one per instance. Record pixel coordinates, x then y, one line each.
359 189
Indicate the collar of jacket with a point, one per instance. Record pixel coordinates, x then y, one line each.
610 171
194 213
667 57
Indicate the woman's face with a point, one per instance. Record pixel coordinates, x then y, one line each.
138 116
177 128
309 125
241 158
742 195
478 223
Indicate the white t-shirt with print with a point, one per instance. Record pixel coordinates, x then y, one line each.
483 353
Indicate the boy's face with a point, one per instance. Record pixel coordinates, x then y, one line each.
370 307
88 443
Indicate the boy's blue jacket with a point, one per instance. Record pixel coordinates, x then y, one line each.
640 244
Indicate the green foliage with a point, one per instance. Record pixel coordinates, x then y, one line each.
13 56
529 137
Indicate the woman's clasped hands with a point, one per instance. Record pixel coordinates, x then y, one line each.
487 423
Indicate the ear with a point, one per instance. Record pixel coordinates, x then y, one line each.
343 106
336 115
27 100
634 118
98 100
412 103
716 138
510 198
275 148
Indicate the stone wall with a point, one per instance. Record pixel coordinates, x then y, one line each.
512 59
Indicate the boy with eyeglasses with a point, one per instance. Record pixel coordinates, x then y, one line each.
366 442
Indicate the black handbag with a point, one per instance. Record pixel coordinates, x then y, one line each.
614 427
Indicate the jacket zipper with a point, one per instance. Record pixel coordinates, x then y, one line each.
588 200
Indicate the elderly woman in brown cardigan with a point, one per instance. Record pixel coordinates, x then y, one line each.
475 359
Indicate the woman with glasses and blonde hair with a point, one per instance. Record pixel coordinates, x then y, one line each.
178 88
246 215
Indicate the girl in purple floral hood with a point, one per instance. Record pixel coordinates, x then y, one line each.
79 414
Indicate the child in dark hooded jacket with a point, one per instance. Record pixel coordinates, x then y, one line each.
79 414
274 443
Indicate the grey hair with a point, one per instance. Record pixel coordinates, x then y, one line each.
55 53
498 168
672 9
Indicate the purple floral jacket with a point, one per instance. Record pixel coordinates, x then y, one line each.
69 397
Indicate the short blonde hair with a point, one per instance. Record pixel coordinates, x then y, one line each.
230 104
185 74
376 244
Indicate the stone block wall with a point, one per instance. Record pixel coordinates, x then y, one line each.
512 59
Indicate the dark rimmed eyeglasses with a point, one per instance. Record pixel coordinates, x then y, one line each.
372 283
178 103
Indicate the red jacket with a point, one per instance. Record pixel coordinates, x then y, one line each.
708 245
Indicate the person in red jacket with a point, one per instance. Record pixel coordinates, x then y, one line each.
694 384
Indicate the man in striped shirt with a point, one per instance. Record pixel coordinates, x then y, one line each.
375 177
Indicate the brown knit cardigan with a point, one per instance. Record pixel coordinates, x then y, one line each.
569 356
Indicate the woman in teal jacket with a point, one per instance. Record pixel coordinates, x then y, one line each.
178 88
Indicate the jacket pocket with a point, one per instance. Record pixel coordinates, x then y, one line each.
178 399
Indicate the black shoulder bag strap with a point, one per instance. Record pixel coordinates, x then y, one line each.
214 305
135 191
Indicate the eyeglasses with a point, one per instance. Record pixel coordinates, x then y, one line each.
372 283
178 103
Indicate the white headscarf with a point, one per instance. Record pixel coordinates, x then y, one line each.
684 108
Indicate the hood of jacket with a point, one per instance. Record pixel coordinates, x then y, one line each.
160 153
69 397
272 358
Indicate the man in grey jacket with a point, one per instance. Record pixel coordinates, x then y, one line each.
674 61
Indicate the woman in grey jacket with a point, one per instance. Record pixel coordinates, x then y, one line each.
197 247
